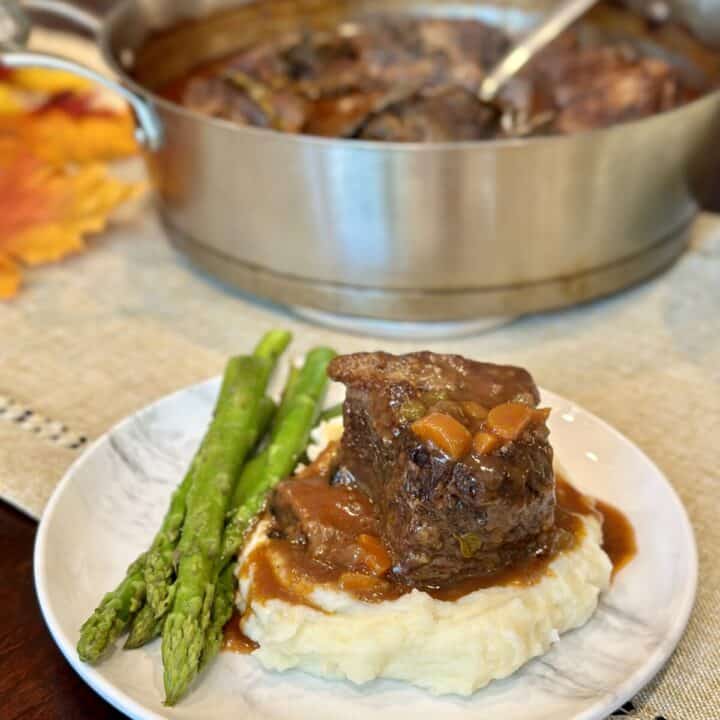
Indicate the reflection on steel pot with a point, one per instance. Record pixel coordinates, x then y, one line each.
404 231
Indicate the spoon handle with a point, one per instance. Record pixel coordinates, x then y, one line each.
549 28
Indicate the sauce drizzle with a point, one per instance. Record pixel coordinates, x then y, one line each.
618 536
286 571
234 639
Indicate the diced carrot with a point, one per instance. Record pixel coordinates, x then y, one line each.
376 557
509 419
359 583
474 410
445 432
484 442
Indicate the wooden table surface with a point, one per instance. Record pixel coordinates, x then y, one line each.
36 683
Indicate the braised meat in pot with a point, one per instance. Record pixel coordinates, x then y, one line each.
415 79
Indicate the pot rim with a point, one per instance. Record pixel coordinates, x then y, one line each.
108 22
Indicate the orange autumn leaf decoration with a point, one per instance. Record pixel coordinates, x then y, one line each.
67 130
9 278
54 188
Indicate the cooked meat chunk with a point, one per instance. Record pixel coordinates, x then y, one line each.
335 523
218 98
400 78
342 115
445 518
266 62
452 114
235 96
596 87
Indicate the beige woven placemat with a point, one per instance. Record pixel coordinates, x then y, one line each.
97 337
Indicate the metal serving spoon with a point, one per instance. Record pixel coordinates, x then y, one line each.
553 25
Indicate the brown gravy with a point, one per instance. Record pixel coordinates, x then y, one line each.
286 571
234 639
303 572
528 572
618 536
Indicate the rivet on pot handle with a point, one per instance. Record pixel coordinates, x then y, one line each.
14 30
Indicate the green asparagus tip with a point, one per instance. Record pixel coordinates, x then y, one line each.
273 344
181 650
112 617
144 628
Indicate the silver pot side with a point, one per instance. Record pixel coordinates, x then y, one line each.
448 218
433 233
422 232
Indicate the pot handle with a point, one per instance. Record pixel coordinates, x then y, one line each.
14 30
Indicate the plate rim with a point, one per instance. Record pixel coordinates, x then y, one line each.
123 702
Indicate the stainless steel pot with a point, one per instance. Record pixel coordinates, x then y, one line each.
397 231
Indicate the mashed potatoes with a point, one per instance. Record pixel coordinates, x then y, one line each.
446 647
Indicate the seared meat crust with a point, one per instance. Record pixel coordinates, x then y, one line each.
442 519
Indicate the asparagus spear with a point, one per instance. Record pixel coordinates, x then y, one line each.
118 607
226 585
200 544
143 628
186 631
282 411
298 413
147 623
160 563
159 567
111 617
221 613
291 383
287 442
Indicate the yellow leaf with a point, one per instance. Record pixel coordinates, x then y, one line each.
64 127
83 200
42 80
10 101
60 138
25 195
9 278
46 243
54 191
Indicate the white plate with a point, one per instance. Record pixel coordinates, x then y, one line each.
106 508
